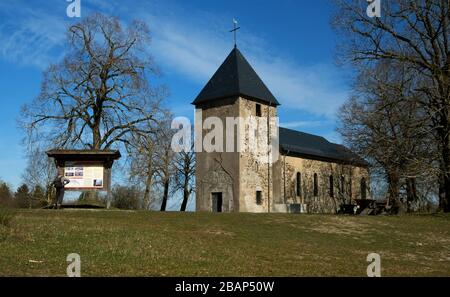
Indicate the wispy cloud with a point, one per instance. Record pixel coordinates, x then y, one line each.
302 124
31 35
195 51
191 44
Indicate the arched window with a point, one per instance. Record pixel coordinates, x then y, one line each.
363 188
316 186
331 186
299 184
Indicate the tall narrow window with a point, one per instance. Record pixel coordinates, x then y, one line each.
316 186
258 197
258 110
342 186
299 184
363 188
331 186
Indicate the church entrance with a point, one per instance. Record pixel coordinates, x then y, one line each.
216 201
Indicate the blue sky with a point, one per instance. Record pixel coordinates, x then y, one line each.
289 43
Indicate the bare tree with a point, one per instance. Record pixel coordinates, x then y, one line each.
164 159
384 122
40 172
99 93
416 35
142 154
184 163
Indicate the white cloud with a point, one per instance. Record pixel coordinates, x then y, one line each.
195 51
31 36
302 124
192 44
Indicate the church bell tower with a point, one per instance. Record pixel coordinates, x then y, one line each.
237 179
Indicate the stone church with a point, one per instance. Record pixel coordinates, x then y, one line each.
310 174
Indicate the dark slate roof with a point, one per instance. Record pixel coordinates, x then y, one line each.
316 147
233 78
76 155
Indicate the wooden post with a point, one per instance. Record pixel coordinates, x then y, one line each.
108 170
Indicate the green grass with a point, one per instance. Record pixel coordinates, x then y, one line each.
126 243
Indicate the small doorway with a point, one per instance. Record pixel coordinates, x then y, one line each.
216 201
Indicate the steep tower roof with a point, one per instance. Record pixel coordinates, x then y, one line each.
233 78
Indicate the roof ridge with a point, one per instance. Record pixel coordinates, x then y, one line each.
235 50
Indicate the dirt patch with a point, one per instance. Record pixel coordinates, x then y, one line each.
340 225
219 232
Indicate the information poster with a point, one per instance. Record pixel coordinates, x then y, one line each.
84 175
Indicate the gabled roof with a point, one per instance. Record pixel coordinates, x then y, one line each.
233 78
316 147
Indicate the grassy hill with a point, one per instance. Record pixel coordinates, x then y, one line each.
130 243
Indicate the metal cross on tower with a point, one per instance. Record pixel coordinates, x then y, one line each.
235 23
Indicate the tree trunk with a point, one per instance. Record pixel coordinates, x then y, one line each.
185 198
148 186
49 194
410 193
444 180
393 188
96 136
444 192
165 195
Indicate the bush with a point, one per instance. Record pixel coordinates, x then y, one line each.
6 216
6 222
23 197
126 197
6 196
92 198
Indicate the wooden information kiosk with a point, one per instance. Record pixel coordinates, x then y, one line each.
87 170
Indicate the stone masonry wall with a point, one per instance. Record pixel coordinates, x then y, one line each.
256 173
346 183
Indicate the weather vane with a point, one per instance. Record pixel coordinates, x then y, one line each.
235 23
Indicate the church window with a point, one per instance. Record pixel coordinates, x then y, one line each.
258 110
299 184
316 186
331 186
259 197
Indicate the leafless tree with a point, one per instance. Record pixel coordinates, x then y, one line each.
40 172
384 122
164 159
100 93
416 35
142 154
184 165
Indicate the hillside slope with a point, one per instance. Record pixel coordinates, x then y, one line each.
129 243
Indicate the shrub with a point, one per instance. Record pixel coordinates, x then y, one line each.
6 196
6 217
22 197
124 197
